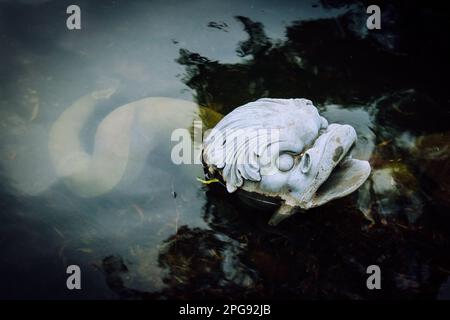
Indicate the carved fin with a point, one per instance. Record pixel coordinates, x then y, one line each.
282 213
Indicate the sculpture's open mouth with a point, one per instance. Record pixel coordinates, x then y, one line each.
336 174
346 177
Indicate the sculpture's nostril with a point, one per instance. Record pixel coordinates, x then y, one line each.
338 153
305 164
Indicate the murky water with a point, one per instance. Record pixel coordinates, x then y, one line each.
161 233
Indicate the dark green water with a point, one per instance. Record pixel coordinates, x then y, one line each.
166 235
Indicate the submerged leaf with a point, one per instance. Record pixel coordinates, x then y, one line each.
208 181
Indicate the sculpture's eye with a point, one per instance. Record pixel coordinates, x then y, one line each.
285 162
305 163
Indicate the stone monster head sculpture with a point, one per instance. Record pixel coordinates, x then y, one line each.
283 148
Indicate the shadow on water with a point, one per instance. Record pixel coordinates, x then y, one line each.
395 79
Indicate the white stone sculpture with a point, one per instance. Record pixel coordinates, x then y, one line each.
283 148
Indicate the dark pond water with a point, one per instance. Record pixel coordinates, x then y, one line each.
163 234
